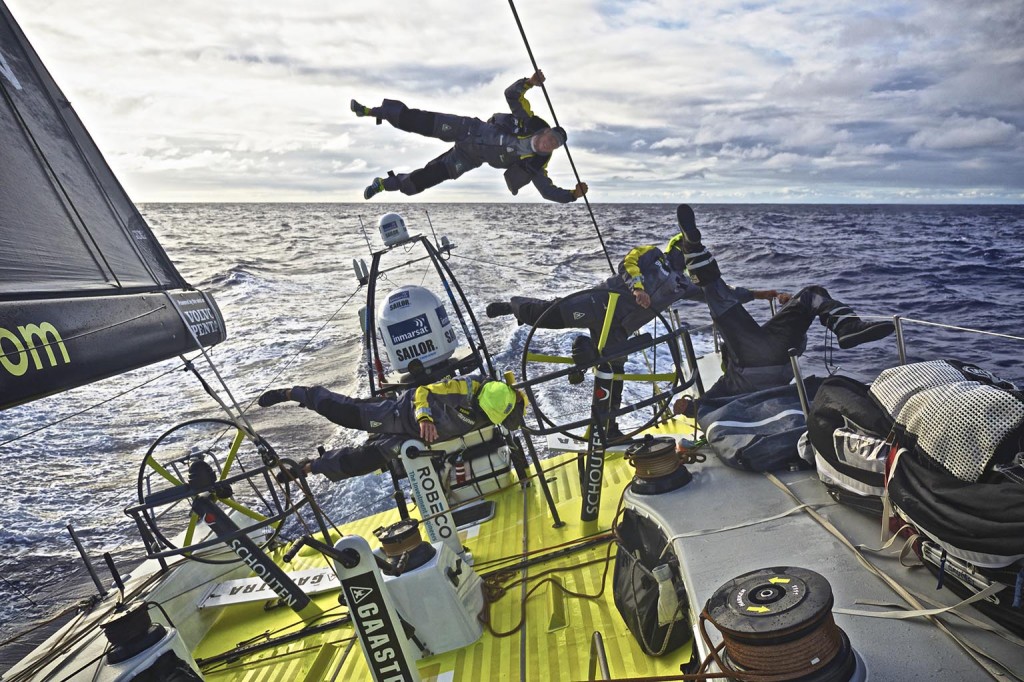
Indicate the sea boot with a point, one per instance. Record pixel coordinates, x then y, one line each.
498 309
687 225
359 109
851 330
392 183
699 262
583 353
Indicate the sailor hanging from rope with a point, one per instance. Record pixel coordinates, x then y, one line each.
438 411
520 142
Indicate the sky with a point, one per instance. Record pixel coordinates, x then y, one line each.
717 101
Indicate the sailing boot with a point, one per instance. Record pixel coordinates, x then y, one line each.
392 183
687 224
499 309
851 330
583 353
359 109
699 262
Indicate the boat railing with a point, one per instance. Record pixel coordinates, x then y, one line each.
901 347
901 344
598 658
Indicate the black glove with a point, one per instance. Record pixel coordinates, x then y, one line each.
273 397
290 470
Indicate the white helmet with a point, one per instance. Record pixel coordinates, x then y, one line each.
392 229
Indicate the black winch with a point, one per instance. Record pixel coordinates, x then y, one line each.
658 466
404 545
130 632
778 621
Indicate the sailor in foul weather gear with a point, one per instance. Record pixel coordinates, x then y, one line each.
519 142
756 356
438 411
648 281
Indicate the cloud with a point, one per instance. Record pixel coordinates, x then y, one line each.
671 143
960 132
866 100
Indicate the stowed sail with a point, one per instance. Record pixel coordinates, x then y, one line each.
86 291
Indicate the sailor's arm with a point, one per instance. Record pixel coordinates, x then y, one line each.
421 404
428 432
634 275
551 192
515 95
745 295
769 294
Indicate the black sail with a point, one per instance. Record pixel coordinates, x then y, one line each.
86 291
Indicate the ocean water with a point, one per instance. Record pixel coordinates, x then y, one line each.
283 278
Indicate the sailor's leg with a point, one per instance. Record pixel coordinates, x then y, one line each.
700 262
364 414
788 327
850 330
447 127
448 166
348 462
531 311
576 311
741 332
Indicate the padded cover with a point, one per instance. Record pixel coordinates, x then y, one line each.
757 431
848 433
639 551
954 414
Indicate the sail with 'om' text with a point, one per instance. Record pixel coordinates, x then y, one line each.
86 291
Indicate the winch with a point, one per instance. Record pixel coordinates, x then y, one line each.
659 468
404 546
778 622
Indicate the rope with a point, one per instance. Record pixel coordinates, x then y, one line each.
525 270
495 590
87 409
554 116
893 583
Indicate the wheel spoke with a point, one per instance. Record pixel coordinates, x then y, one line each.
242 509
157 467
190 532
239 439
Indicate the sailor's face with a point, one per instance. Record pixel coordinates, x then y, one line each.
546 141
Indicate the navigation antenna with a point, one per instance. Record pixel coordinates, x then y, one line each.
554 116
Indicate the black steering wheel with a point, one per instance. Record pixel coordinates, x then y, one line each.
576 389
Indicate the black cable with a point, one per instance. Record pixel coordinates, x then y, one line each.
529 272
554 116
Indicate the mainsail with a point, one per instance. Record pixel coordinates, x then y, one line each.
86 291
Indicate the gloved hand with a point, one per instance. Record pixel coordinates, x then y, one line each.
290 470
273 397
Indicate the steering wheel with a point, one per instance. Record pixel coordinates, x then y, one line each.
576 389
215 457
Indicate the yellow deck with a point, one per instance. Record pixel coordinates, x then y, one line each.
555 642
